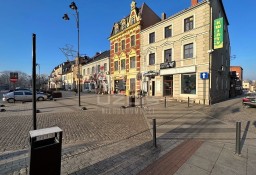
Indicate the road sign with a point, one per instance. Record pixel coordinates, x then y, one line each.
204 75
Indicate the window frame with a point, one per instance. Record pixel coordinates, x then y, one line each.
133 39
151 37
165 31
105 67
116 47
189 23
130 61
184 50
165 55
116 66
122 61
190 87
150 57
123 44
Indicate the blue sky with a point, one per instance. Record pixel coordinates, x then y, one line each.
20 18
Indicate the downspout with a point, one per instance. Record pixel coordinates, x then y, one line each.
210 53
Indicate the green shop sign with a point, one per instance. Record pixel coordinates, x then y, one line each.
218 33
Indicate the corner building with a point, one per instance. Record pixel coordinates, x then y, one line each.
179 57
125 60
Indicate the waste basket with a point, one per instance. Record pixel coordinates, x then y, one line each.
45 154
132 101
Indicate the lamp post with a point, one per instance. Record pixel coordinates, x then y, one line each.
65 17
39 75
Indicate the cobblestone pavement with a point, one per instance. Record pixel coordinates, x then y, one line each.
108 139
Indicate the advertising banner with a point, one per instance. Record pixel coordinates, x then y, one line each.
218 33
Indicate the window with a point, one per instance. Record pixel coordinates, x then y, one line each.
168 31
88 71
93 70
152 59
188 51
116 65
152 37
105 67
133 20
188 83
123 44
98 69
132 62
168 55
133 40
122 64
116 47
28 93
83 71
18 93
188 24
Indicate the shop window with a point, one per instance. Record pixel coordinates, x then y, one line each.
188 83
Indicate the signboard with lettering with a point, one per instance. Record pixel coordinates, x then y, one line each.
167 65
218 33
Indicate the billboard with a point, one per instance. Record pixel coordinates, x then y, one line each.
218 33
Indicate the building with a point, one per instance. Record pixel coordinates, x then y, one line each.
238 85
239 72
67 75
55 79
125 60
95 74
246 85
77 73
180 59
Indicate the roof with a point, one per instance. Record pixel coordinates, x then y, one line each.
99 56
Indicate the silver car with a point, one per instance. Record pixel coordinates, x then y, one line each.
22 95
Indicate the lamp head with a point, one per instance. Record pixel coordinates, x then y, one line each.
73 6
65 17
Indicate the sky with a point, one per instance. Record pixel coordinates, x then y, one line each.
21 18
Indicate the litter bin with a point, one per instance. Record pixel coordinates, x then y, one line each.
45 154
132 101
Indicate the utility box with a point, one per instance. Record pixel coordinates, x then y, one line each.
45 153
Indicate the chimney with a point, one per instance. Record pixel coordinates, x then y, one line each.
194 2
163 16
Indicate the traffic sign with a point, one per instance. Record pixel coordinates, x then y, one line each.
204 75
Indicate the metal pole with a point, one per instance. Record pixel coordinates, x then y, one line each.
34 78
188 101
238 138
154 133
165 102
141 100
78 55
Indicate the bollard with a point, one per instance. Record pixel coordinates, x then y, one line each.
238 138
141 101
165 102
154 133
188 101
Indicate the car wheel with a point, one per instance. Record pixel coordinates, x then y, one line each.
40 98
11 100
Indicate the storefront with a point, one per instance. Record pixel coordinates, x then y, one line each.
119 85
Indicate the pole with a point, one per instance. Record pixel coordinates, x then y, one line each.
34 78
39 77
238 138
154 133
165 102
188 101
78 55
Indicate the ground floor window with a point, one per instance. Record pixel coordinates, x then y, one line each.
119 86
188 83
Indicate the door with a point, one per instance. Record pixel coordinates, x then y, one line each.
153 88
168 86
28 96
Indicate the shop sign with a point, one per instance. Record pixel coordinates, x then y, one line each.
167 65
151 73
218 33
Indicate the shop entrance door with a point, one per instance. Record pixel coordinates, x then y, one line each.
168 86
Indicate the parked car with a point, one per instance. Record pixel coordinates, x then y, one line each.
249 100
22 95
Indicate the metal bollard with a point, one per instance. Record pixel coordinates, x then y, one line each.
165 102
188 101
141 101
154 133
238 138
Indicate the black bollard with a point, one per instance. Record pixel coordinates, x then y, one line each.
154 133
165 102
188 101
238 138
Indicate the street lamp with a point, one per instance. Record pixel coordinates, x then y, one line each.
65 17
39 75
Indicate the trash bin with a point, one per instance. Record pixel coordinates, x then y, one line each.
45 154
132 101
